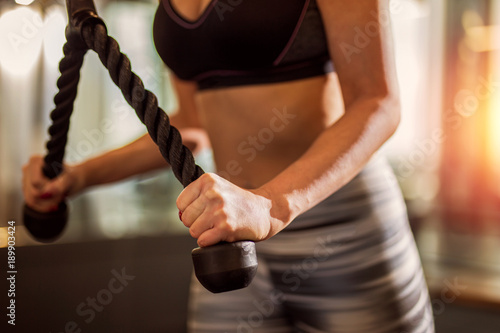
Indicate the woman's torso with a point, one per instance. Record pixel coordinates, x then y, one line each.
257 130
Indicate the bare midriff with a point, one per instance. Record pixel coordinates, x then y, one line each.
257 131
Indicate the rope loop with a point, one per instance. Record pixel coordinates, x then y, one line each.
144 102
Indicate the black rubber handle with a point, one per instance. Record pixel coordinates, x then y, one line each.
46 227
225 266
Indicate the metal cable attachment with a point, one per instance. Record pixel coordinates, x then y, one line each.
144 102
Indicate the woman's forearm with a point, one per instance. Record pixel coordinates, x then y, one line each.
337 155
143 154
140 156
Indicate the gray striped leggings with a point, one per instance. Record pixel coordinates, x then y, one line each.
348 265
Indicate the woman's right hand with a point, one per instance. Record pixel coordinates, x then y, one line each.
43 194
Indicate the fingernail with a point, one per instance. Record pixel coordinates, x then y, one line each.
46 195
180 215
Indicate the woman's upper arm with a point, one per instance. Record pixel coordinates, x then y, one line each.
186 118
360 45
186 114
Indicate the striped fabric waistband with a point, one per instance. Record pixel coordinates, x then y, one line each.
374 188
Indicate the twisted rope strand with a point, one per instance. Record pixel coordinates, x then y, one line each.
67 83
144 103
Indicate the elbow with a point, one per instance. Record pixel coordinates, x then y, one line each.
390 107
395 113
380 110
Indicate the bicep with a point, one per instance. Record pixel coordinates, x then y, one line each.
360 45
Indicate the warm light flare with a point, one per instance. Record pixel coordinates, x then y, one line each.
24 2
483 38
494 132
54 38
21 32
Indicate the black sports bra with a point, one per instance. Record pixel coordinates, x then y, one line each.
241 42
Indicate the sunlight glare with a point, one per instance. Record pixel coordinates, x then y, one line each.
21 31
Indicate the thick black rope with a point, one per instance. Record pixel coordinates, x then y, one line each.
144 103
67 83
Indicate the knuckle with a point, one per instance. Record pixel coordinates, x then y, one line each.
31 190
34 160
29 201
223 216
228 233
36 183
208 179
231 239
186 222
193 232
178 203
224 227
214 196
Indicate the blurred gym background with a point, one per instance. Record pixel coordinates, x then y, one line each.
446 154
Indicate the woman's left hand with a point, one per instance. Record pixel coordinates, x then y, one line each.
216 210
